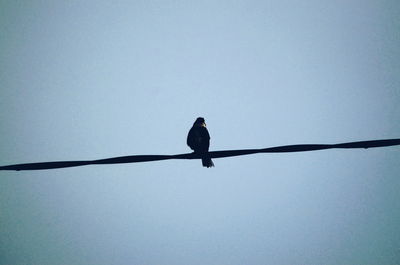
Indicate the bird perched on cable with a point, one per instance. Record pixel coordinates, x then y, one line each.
198 140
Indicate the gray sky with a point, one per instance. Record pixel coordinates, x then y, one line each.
96 79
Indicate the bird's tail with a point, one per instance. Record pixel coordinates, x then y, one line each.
207 162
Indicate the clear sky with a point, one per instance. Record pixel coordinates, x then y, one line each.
95 79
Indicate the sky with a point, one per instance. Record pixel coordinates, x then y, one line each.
95 79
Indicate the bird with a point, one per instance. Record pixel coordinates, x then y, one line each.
198 140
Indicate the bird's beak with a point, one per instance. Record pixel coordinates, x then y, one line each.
204 124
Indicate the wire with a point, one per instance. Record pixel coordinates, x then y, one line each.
213 154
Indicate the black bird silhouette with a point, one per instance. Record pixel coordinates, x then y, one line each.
198 140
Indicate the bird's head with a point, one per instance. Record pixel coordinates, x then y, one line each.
200 122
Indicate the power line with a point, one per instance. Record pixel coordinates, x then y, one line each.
213 154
